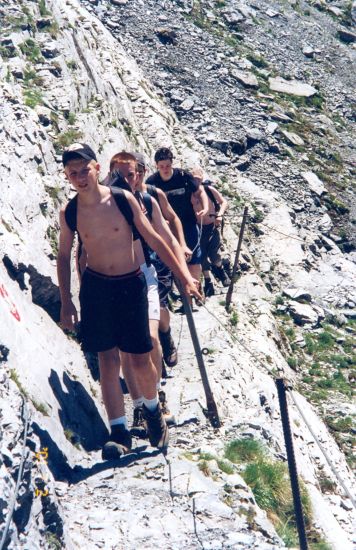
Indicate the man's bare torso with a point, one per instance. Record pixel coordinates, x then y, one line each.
210 215
106 236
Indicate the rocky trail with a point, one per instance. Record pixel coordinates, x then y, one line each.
261 95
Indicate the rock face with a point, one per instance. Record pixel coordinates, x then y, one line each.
83 84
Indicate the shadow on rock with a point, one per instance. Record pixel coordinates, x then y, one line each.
57 461
62 471
78 413
44 292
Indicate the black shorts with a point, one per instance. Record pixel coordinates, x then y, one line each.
114 312
165 280
210 243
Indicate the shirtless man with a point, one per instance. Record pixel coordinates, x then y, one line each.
210 241
113 293
126 165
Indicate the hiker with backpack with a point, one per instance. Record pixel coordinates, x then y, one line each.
179 187
126 165
113 293
164 274
210 241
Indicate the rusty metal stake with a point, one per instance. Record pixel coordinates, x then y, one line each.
234 269
211 410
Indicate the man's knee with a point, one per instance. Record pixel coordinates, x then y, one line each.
140 360
109 358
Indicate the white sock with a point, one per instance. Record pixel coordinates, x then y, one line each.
120 420
151 404
137 402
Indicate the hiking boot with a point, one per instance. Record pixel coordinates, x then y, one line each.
164 374
168 416
156 427
119 443
208 288
220 275
169 350
226 264
138 424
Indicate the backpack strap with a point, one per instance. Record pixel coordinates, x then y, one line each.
147 201
211 196
70 213
123 205
152 190
71 209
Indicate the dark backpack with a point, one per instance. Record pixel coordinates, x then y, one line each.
152 190
70 212
146 199
210 194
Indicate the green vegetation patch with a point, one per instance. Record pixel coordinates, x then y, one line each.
244 450
31 50
270 484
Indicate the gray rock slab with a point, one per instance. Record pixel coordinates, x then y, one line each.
245 78
315 184
304 314
293 87
292 138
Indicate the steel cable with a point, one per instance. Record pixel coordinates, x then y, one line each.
19 476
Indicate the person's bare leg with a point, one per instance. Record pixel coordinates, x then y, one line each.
130 376
145 373
109 365
156 353
164 322
195 271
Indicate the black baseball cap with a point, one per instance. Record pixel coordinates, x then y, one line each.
140 159
82 150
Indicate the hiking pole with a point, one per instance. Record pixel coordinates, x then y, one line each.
234 269
211 411
298 508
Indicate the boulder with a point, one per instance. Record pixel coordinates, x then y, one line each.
303 314
346 36
166 36
238 145
187 104
222 145
253 135
233 18
315 184
245 78
44 115
49 51
297 294
293 87
292 138
44 22
308 51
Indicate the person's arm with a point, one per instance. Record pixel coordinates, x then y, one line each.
155 241
174 222
223 205
69 314
202 197
161 227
